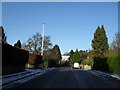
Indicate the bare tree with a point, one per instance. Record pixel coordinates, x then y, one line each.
116 42
34 43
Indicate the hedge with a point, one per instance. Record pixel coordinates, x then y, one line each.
13 59
14 56
109 64
100 63
34 60
114 64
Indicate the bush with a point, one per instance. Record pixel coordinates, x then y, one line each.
53 63
71 62
108 64
114 62
88 62
64 63
46 64
50 63
100 63
34 60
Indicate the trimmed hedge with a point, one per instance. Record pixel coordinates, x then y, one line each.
13 57
34 60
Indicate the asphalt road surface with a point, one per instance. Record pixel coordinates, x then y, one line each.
70 78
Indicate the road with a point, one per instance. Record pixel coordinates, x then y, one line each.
70 78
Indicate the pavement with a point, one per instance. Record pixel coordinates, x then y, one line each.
70 78
10 80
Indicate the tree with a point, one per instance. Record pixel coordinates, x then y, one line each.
116 42
34 43
57 53
114 49
3 34
84 54
18 44
71 53
47 43
100 42
76 57
52 56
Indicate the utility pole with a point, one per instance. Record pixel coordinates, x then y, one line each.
42 38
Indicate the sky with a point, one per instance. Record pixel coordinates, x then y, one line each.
71 25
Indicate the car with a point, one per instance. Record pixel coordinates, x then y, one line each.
76 65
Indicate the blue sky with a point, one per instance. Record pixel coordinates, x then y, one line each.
70 25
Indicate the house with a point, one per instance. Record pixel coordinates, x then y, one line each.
65 58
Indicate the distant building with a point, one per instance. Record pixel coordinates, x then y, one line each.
65 58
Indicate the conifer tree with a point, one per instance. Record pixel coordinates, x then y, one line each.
3 33
100 42
71 53
76 57
57 53
18 44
